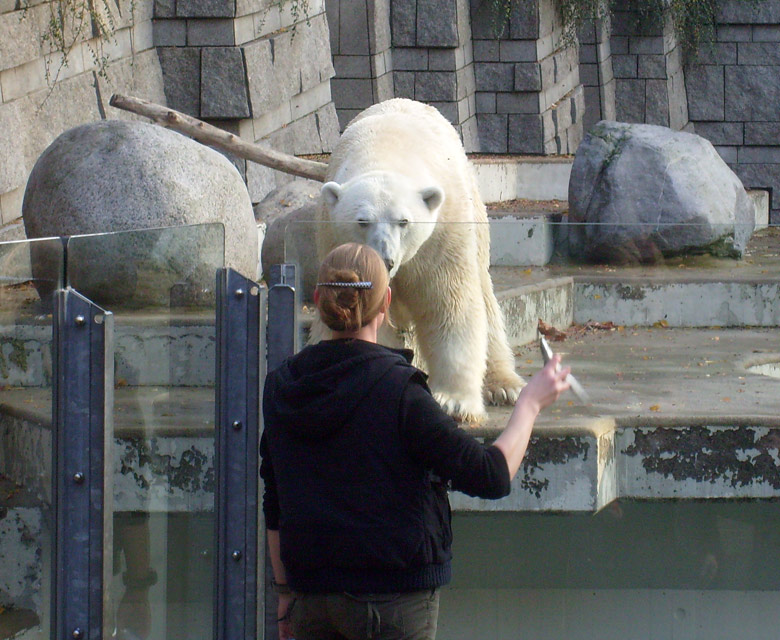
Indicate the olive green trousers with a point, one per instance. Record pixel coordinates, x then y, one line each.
344 616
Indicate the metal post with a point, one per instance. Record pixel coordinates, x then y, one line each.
282 314
282 340
237 441
83 395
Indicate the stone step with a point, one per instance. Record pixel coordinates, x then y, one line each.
522 233
581 459
503 178
150 350
679 304
674 414
549 300
163 446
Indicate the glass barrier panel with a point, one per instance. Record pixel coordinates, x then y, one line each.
661 569
673 450
160 285
29 273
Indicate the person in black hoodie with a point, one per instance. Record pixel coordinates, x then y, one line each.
357 459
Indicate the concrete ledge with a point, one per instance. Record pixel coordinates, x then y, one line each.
760 199
679 304
503 178
585 471
699 462
163 447
518 241
523 307
150 351
563 473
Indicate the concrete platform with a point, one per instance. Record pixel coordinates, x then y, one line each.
674 414
644 381
662 399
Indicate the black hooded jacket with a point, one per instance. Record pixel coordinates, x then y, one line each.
357 456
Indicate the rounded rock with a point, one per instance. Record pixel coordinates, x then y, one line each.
116 176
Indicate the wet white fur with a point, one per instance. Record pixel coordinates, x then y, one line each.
398 161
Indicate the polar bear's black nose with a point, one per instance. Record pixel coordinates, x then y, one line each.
389 263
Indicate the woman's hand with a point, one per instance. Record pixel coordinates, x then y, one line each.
540 392
283 616
545 387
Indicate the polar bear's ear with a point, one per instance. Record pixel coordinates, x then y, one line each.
330 193
432 197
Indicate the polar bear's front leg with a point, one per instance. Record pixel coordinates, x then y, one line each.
502 384
454 350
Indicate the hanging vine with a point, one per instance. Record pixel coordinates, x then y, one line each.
694 21
299 9
75 23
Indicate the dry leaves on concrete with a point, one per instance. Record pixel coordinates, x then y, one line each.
575 330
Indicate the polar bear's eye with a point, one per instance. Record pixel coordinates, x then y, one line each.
363 222
403 222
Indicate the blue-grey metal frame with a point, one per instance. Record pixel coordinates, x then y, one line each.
83 388
282 340
282 329
239 307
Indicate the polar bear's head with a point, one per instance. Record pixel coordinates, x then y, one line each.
386 211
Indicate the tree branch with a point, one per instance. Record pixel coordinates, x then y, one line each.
214 136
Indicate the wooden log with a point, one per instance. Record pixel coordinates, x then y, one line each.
214 136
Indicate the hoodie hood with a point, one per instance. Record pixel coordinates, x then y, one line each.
315 392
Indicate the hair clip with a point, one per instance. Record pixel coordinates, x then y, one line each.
353 285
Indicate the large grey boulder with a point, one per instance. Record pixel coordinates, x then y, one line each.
113 176
289 215
639 192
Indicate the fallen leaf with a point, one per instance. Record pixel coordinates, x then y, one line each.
661 324
550 332
726 399
655 407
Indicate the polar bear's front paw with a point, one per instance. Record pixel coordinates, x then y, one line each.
503 388
462 409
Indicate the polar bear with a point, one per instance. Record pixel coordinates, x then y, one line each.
399 180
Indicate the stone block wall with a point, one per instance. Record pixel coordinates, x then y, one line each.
648 70
253 69
529 97
244 65
734 94
433 60
360 43
34 110
598 80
